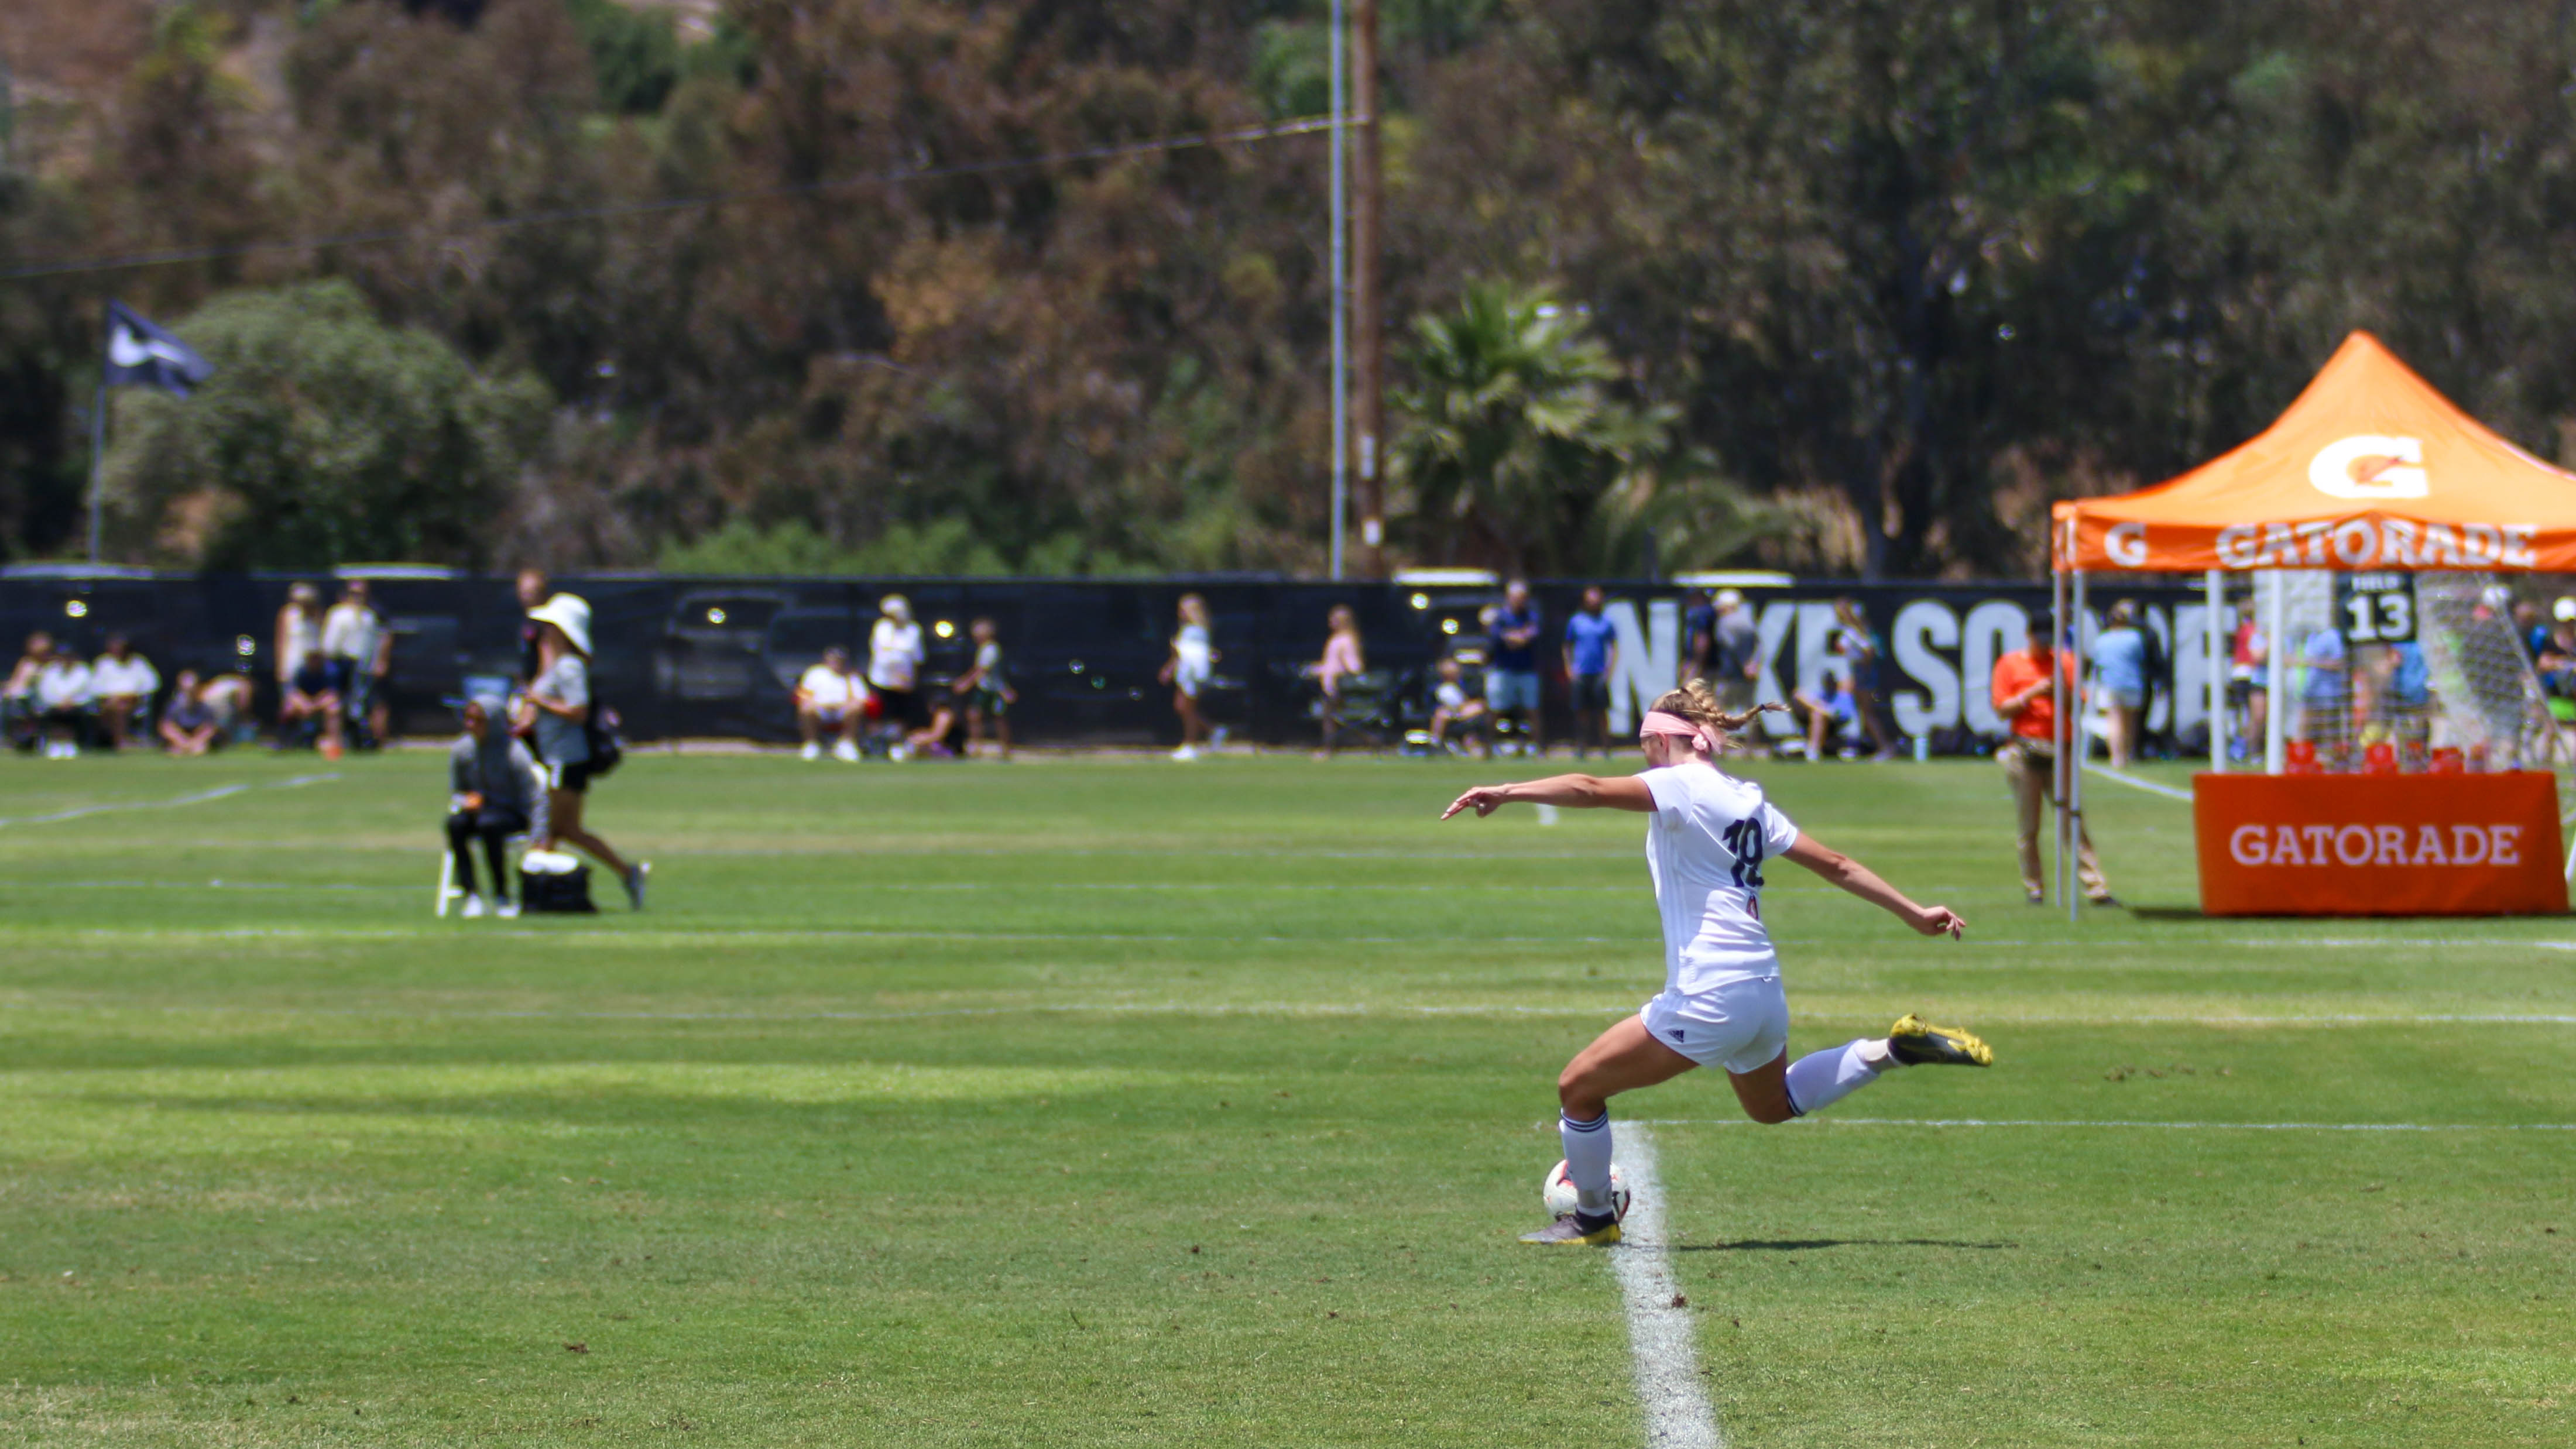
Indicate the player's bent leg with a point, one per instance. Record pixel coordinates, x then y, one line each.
1764 1091
1621 1059
1820 1079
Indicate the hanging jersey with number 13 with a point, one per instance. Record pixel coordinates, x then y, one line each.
1705 846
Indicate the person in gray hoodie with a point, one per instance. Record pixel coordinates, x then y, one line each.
494 792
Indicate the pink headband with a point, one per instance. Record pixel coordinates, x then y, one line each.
1664 722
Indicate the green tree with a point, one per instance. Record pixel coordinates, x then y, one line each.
324 436
1508 442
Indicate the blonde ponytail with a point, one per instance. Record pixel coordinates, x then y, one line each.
1696 702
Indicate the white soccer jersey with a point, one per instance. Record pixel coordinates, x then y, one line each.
827 688
1705 847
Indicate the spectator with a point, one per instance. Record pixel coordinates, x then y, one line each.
1455 713
2249 681
18 708
1864 655
1342 659
1591 657
1699 639
987 690
2553 650
304 681
360 652
2530 627
1832 719
230 698
2026 687
894 662
1740 668
2325 696
1192 665
532 593
933 738
2120 673
122 684
63 702
2409 691
830 701
495 791
1511 669
189 726
558 706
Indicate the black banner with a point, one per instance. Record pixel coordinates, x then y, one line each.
701 657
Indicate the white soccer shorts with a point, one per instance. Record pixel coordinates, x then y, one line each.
1740 1026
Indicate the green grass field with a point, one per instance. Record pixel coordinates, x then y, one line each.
1117 1102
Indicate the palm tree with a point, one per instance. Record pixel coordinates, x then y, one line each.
1514 452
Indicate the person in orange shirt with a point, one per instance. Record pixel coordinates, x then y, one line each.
2026 695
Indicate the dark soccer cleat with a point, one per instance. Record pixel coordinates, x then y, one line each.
1570 1231
1917 1042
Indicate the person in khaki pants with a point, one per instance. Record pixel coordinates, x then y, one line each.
2025 692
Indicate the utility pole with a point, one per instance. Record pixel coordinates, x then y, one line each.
1341 299
1367 305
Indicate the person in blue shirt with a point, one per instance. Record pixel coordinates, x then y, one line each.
1511 669
2326 694
2120 672
1832 719
1591 657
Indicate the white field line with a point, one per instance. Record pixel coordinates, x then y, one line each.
2156 1126
2133 782
759 935
199 797
1400 1011
1659 1331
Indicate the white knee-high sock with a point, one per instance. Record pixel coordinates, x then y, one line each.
1820 1079
1587 1160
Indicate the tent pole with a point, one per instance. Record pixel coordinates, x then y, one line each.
2057 733
2214 670
2083 750
2276 674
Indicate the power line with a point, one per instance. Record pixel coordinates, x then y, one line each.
71 266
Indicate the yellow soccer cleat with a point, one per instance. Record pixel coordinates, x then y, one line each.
1917 1043
1569 1232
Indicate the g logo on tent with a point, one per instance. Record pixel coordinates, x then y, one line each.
2367 467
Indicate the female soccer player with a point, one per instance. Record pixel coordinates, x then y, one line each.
1721 1004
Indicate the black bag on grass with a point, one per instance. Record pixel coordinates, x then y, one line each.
556 892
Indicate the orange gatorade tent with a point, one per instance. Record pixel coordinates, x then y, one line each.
2370 475
2369 469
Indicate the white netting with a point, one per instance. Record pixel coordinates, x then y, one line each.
2406 672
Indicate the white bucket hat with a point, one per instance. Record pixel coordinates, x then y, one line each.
571 614
896 607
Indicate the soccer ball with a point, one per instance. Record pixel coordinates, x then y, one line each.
1558 1192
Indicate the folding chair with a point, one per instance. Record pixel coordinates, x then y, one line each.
511 847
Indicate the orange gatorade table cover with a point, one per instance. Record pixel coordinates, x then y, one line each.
2402 845
2369 469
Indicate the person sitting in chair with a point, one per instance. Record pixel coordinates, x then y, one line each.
1833 718
494 792
122 683
63 702
1456 715
831 700
189 726
18 708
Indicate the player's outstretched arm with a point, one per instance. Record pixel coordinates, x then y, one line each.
1863 882
1578 792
